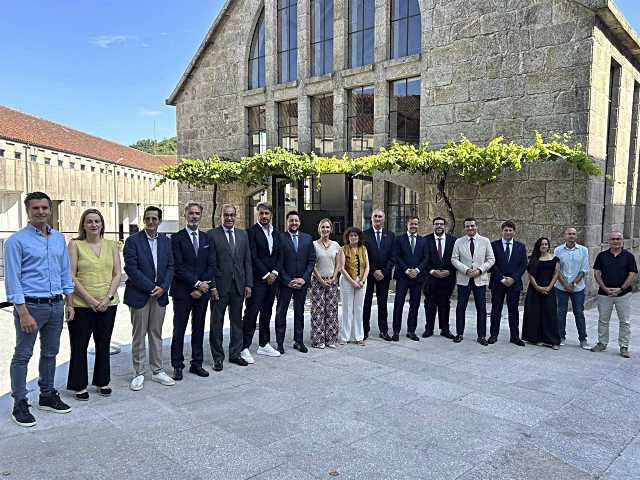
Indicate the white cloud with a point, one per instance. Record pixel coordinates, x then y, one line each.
150 113
107 41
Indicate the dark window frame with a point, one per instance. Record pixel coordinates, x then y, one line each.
404 15
361 117
260 130
400 117
287 10
322 40
400 208
288 130
361 35
257 55
327 138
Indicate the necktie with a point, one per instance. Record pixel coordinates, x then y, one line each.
507 251
295 242
472 247
440 248
232 242
378 238
413 243
196 245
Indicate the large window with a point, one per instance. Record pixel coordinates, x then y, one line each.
360 119
288 125
287 40
257 130
405 28
404 111
361 28
322 124
256 56
400 203
321 37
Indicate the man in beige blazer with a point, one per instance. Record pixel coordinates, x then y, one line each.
472 257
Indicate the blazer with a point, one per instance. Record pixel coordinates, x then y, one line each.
516 266
292 264
233 269
190 268
263 262
435 263
141 272
379 258
482 258
404 259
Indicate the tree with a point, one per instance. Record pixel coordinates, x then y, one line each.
474 164
168 146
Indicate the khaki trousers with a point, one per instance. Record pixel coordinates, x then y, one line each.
623 310
147 321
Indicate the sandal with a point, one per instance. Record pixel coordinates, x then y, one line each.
83 396
104 391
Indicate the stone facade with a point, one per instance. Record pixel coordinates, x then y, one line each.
487 68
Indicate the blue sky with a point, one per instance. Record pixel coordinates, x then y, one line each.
106 66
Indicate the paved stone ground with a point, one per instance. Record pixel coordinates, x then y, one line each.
427 410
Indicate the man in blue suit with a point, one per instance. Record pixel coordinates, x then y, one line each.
295 265
148 263
506 281
193 283
410 258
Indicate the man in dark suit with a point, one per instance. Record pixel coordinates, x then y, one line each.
440 279
234 279
410 258
379 244
148 263
506 281
264 242
295 265
192 287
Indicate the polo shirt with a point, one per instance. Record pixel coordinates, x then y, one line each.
615 269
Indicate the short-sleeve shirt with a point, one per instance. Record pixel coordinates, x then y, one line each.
326 258
615 269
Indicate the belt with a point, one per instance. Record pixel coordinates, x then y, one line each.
38 300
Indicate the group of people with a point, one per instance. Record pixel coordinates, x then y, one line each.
245 271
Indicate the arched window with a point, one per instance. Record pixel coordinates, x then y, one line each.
256 56
405 28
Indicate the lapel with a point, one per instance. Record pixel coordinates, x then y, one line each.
223 233
289 240
145 246
185 237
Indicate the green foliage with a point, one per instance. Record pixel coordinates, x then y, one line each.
168 146
475 164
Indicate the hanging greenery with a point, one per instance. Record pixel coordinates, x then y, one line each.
473 163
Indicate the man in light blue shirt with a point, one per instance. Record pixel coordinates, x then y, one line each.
574 266
37 276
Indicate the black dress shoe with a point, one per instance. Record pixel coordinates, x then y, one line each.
366 336
280 349
457 339
395 337
239 361
447 334
517 341
217 366
385 336
483 341
201 372
426 334
300 347
492 339
177 374
413 337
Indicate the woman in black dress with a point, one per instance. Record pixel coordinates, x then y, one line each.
540 322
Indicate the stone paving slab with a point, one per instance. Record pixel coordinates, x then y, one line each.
425 410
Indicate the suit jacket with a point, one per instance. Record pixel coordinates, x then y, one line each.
233 269
292 264
516 266
263 262
379 258
141 272
404 259
435 263
190 268
482 258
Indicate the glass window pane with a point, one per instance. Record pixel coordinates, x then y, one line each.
283 29
293 27
328 56
328 19
393 125
261 73
356 15
413 36
368 14
414 8
413 86
316 21
356 49
317 59
398 9
293 65
368 44
283 66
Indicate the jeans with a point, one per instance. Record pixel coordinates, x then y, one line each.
577 305
50 318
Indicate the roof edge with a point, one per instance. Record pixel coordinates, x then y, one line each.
615 21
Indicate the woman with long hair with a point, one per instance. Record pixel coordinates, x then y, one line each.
354 266
96 272
324 289
540 321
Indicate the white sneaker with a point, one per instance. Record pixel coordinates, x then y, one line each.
268 350
162 378
563 342
246 356
137 383
584 345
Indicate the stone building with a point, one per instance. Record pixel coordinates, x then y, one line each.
78 171
341 76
